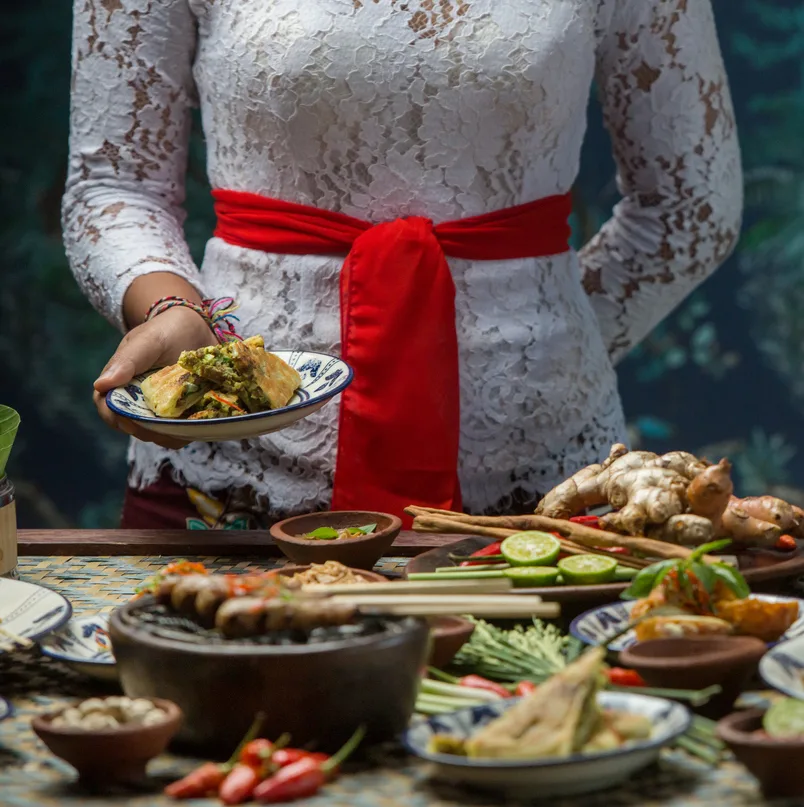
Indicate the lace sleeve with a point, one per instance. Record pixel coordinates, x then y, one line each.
667 107
132 90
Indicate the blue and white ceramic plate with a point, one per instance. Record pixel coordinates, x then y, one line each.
528 779
30 611
6 709
323 377
84 644
782 667
598 624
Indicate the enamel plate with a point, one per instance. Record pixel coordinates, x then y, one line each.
29 610
323 377
782 667
84 644
529 779
598 624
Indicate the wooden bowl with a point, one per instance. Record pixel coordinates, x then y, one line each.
448 635
777 764
109 756
359 553
697 662
320 693
363 574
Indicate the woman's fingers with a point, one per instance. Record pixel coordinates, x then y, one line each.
137 352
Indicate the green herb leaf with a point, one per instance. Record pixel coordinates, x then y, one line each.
323 534
367 530
646 579
731 578
712 546
9 423
704 573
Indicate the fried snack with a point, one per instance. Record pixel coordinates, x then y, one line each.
668 627
171 391
753 617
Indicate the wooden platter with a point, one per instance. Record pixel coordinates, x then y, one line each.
765 570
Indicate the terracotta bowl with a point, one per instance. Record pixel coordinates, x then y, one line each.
448 635
359 553
320 693
109 756
368 577
697 662
777 764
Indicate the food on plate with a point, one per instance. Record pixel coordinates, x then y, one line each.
172 391
344 533
252 616
784 720
95 714
324 574
233 378
559 718
690 597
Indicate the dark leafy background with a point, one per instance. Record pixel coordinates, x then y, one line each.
723 375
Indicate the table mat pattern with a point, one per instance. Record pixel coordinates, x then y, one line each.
31 777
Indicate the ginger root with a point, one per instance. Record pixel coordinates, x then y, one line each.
738 523
710 491
687 529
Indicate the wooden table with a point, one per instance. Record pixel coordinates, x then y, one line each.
100 569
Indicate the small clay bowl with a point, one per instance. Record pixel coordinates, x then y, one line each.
368 577
777 764
697 662
359 553
106 757
448 635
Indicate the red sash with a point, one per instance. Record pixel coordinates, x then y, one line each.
400 418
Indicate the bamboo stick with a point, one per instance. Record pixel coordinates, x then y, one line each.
511 606
546 610
482 586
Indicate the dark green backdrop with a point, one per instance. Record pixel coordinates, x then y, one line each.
724 375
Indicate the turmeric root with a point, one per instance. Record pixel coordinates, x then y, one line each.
770 509
746 529
709 492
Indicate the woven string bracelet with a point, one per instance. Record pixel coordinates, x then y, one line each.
218 314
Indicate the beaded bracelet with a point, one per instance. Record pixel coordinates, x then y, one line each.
216 313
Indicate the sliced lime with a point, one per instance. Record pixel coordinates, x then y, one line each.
584 570
532 576
785 718
531 549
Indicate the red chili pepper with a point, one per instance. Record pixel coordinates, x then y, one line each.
615 550
491 549
239 785
256 752
306 776
524 688
786 543
622 677
209 777
287 756
478 682
587 521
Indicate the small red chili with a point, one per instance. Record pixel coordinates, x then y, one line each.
478 682
256 752
622 677
287 756
239 785
786 543
587 521
524 688
491 549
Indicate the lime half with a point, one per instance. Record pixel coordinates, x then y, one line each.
785 718
531 549
532 576
585 570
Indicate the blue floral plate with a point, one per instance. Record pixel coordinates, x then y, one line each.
84 644
549 777
598 624
6 709
323 377
782 667
29 611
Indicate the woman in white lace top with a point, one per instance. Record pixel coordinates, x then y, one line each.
381 109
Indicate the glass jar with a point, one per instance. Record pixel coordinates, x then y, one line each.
8 529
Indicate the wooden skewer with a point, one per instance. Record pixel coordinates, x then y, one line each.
15 640
487 586
521 600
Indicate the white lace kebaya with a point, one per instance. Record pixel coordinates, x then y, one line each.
380 109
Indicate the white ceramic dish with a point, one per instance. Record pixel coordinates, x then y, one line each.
323 377
782 667
29 610
6 709
84 644
596 625
570 776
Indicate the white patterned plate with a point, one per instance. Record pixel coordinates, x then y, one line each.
528 779
323 377
782 667
84 644
29 610
596 625
6 709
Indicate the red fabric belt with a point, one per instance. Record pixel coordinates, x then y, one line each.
400 419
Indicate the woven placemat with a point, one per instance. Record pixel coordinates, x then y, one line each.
31 777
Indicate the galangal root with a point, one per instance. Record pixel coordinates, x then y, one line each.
674 497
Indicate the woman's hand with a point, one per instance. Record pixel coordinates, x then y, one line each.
153 344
